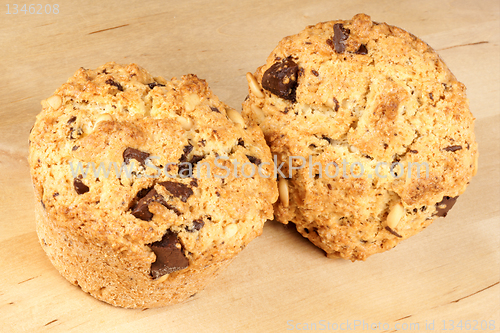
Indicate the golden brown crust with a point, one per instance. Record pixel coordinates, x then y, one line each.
370 93
92 227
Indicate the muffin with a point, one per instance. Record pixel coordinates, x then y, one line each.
144 187
371 130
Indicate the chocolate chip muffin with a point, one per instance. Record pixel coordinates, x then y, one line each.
144 187
371 130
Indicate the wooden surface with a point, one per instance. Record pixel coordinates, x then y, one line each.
450 272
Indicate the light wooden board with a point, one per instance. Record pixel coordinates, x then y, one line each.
446 274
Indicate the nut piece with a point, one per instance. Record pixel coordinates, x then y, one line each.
353 149
55 101
101 118
191 101
254 85
259 114
186 123
283 192
395 215
235 116
230 230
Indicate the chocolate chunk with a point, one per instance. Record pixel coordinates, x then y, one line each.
241 142
179 190
444 206
197 225
131 153
75 133
184 166
75 148
194 182
452 148
186 150
79 186
431 96
184 170
254 160
337 105
214 109
340 35
393 232
71 120
169 255
281 79
195 159
413 151
362 49
314 72
155 84
113 83
327 139
141 210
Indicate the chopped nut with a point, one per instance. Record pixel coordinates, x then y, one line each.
235 116
101 118
186 123
395 214
283 192
55 101
254 86
230 230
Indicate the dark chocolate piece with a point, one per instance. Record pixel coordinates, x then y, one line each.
131 153
241 142
452 148
179 190
79 186
340 35
281 79
254 160
362 49
444 206
186 150
169 255
337 105
155 84
314 72
393 232
197 225
195 159
214 109
111 82
141 210
324 137
72 119
413 151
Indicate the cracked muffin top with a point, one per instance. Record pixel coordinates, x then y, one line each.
374 100
136 163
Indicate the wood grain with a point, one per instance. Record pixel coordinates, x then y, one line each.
449 272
